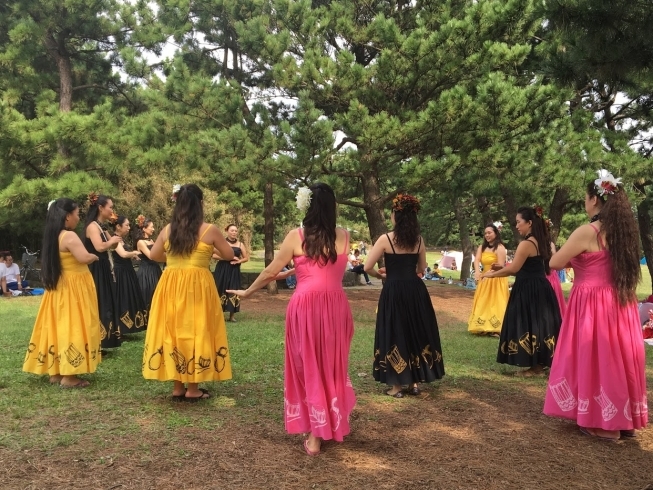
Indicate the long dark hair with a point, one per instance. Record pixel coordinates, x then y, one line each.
497 241
540 232
55 223
187 219
320 225
406 230
622 237
137 231
94 209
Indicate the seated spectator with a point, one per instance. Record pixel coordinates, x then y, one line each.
291 281
454 267
354 265
433 274
11 276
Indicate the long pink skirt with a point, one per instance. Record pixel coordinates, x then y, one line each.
318 394
554 279
598 375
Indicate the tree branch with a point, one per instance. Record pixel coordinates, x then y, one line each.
354 204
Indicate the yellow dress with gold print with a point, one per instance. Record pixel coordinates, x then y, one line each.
490 300
66 335
186 337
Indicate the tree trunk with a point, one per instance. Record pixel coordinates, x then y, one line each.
484 209
268 230
465 242
57 49
511 213
645 229
374 206
557 211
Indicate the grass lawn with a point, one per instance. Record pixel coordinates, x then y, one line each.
473 429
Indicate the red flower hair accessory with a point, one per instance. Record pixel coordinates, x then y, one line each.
92 198
406 202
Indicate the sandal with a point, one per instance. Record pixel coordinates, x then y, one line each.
179 398
308 451
588 432
415 391
82 383
399 394
194 399
628 433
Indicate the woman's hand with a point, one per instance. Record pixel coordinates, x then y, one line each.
114 241
235 262
241 293
496 267
477 276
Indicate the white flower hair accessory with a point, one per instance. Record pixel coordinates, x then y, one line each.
175 191
498 225
606 183
303 198
51 203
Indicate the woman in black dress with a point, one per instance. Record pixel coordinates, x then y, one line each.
407 341
532 320
227 273
98 241
149 271
131 311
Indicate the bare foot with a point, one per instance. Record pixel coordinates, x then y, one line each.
312 445
56 379
529 373
73 382
610 435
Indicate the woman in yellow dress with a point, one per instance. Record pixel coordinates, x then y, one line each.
65 341
186 340
491 296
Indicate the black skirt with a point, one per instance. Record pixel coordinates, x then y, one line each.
131 311
105 287
149 273
407 346
227 276
532 321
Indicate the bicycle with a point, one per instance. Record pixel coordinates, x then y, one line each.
28 261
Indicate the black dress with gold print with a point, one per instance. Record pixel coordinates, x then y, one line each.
407 341
227 276
532 321
131 311
105 285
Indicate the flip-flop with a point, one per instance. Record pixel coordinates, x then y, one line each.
179 398
399 394
414 391
82 383
586 432
194 399
628 433
308 451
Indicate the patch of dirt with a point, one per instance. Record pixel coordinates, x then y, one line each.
467 435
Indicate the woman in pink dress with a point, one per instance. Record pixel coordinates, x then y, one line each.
318 394
598 375
554 279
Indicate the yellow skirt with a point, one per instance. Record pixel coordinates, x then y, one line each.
186 337
489 306
66 335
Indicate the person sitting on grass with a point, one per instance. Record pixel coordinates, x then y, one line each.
434 274
11 276
354 265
